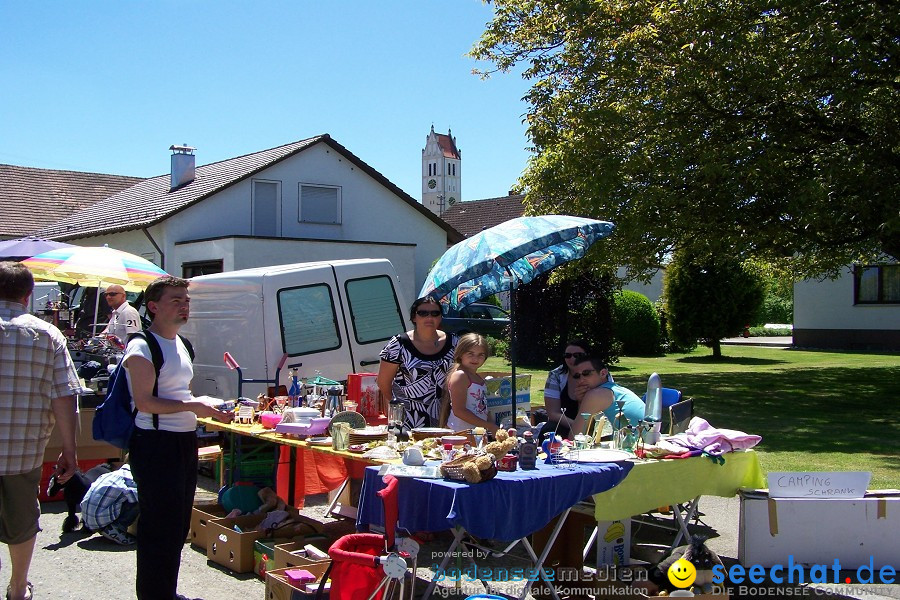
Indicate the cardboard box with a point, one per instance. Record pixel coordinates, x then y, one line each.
499 394
87 446
285 556
816 531
230 548
279 588
264 548
201 515
614 542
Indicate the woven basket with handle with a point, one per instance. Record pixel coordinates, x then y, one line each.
454 469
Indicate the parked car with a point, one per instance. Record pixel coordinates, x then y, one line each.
485 319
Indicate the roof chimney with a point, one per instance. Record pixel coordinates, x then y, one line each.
182 166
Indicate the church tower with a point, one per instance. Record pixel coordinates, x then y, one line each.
441 172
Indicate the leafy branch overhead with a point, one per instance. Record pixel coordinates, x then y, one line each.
747 127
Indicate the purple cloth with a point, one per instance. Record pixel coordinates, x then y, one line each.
712 440
508 507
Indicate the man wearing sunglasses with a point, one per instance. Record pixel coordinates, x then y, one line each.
596 392
124 318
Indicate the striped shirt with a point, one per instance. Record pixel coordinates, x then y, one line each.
102 504
35 367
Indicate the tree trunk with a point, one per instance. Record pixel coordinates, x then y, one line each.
717 349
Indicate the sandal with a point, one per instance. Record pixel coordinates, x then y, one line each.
29 591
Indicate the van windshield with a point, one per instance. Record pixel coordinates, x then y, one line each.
373 308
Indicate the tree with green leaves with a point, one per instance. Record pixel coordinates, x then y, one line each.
708 298
749 128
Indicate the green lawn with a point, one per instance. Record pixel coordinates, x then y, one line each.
815 410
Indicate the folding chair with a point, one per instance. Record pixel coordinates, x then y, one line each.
670 396
370 565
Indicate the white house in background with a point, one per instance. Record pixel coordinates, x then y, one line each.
858 310
309 200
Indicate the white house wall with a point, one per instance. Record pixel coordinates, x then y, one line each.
245 253
825 317
369 212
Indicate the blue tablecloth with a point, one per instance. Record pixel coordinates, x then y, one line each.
508 507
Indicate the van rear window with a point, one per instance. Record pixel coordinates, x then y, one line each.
373 309
308 321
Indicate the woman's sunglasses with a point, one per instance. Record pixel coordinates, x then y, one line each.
574 355
428 313
585 373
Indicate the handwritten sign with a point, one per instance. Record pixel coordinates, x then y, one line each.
813 484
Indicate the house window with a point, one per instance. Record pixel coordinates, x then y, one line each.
320 204
265 207
308 321
876 284
201 267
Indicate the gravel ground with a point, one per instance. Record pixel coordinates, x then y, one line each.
81 566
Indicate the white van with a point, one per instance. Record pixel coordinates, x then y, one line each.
328 317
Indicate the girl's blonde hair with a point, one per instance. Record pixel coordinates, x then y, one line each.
466 343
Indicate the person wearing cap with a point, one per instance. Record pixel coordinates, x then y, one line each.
124 319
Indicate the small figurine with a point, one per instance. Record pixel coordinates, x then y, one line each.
528 452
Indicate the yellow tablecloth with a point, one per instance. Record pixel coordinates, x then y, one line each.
655 483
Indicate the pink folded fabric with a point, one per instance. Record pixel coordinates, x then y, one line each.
712 440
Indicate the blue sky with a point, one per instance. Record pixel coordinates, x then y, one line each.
108 85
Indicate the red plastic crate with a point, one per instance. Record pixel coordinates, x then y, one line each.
47 471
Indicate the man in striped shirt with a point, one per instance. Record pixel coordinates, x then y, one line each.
38 384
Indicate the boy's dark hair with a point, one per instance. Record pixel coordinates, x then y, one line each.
16 281
155 290
597 363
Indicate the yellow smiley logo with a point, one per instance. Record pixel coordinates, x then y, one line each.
682 573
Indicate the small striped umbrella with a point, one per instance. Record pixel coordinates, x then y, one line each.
94 267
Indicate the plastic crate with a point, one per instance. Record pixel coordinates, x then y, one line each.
47 470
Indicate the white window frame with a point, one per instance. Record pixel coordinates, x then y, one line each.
338 201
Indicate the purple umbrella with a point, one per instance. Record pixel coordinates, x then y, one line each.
26 247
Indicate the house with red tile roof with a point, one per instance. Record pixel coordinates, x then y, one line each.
31 198
305 201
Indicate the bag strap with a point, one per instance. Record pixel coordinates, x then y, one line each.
156 355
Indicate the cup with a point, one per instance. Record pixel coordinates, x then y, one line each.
351 406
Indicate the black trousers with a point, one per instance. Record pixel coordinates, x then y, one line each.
164 466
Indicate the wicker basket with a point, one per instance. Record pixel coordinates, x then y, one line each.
454 469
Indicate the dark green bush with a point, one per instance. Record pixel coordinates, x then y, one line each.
635 323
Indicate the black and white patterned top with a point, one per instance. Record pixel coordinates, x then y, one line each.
420 378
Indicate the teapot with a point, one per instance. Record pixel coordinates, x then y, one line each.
413 456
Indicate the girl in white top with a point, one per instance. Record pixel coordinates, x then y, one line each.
468 405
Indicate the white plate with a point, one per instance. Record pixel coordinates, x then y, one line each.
598 455
433 430
319 441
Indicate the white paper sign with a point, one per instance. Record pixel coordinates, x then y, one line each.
813 484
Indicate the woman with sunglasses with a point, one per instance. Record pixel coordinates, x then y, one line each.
414 365
559 398
597 392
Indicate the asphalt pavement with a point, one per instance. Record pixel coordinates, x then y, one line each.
81 566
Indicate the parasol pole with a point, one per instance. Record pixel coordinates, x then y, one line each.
512 340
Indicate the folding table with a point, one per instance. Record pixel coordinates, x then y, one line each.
508 508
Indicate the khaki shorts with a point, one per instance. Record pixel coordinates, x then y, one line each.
19 507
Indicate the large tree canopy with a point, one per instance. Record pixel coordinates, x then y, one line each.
750 127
